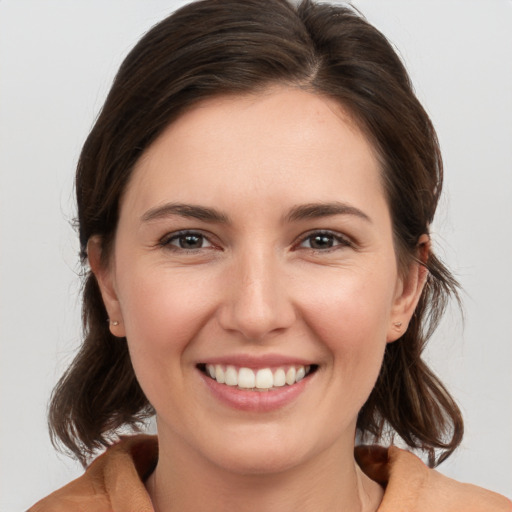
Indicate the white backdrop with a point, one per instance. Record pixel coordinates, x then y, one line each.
57 60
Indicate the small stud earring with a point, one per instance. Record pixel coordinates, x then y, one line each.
115 323
397 324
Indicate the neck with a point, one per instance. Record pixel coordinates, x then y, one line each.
331 482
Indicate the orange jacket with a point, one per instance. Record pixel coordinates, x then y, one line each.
114 483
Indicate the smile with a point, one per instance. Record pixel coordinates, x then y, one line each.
262 379
257 386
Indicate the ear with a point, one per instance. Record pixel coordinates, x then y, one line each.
408 292
104 274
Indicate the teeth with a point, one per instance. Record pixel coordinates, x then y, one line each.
279 378
246 378
231 376
300 374
290 376
220 376
262 379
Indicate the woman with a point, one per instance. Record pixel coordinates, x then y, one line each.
254 203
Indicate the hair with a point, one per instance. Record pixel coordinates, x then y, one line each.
221 47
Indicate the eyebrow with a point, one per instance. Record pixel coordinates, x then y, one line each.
185 210
318 210
297 213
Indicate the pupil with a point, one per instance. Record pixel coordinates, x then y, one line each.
321 241
191 241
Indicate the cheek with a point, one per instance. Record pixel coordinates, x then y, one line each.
350 316
166 301
350 305
163 309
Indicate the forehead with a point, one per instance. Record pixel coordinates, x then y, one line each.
280 143
251 118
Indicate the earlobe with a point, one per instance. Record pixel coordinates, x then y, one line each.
105 278
409 291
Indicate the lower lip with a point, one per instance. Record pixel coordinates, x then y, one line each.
255 401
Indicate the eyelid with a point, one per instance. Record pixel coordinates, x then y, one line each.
341 239
165 241
344 240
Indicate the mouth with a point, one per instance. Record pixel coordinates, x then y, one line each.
257 379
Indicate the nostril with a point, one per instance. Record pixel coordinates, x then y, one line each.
257 309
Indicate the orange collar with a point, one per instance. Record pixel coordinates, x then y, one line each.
114 482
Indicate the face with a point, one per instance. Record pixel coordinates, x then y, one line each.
254 276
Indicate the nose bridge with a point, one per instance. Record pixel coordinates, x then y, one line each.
257 301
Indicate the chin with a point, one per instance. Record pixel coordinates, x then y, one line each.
255 460
263 450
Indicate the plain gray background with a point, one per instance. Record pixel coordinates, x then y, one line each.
57 60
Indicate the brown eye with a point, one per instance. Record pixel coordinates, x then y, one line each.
323 241
187 241
190 241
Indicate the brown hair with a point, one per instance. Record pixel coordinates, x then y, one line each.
215 47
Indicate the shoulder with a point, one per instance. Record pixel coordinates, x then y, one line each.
113 482
413 487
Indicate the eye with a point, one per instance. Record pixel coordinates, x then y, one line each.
186 240
324 240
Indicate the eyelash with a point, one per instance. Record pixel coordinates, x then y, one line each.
167 240
339 240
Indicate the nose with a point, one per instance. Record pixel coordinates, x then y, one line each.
257 302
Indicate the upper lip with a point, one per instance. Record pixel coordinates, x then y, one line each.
260 361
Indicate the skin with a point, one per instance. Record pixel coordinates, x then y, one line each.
255 285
